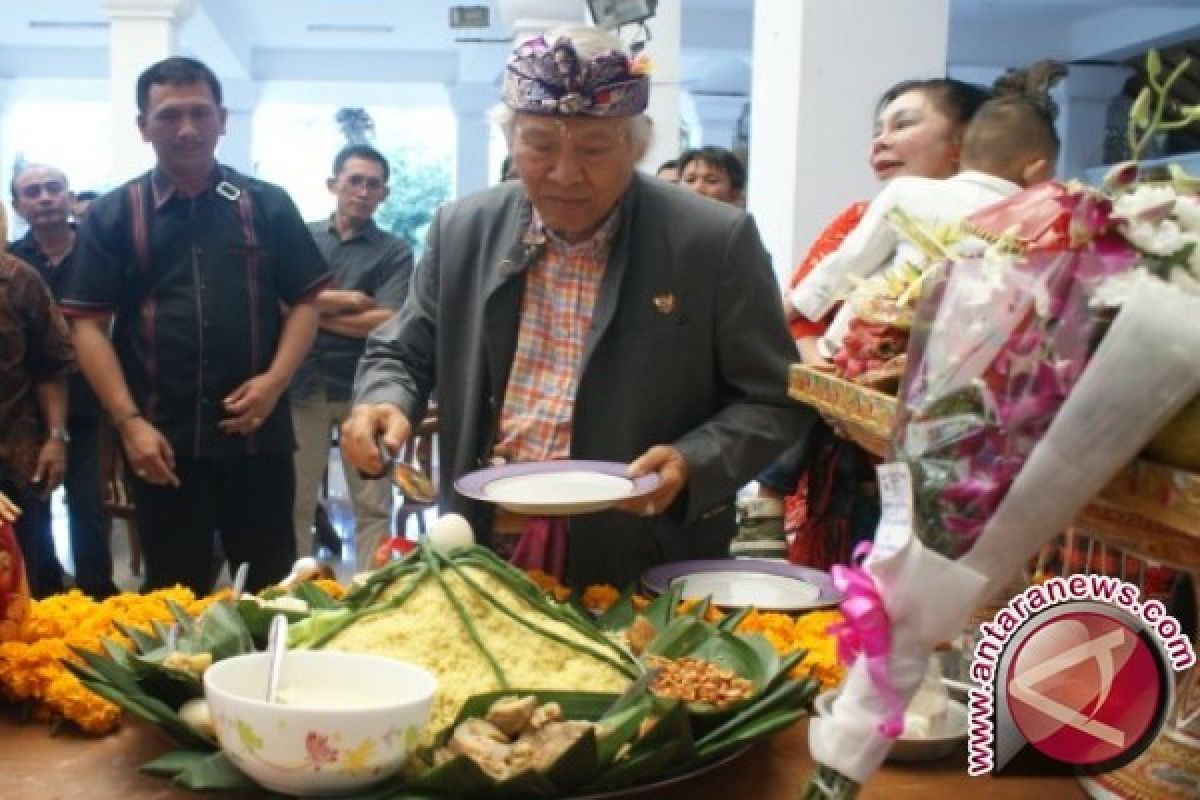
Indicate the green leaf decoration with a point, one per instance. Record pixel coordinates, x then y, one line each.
758 728
620 614
662 609
577 765
315 596
171 764
681 637
200 771
621 726
730 621
459 777
257 617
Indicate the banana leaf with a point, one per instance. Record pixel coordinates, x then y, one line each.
680 637
119 685
663 608
761 727
579 764
620 614
315 596
668 742
219 631
257 617
730 621
200 771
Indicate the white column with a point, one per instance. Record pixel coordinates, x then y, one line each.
141 32
471 102
719 116
663 50
528 18
1083 98
819 68
236 147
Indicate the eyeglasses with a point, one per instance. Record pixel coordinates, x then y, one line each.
52 188
363 181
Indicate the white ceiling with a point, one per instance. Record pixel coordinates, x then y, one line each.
271 40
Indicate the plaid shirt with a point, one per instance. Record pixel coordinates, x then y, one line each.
556 314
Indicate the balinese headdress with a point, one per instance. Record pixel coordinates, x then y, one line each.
552 79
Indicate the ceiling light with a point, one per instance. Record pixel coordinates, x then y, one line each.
339 27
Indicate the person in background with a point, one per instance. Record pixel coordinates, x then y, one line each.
555 320
918 131
371 269
669 170
42 197
37 356
713 172
197 263
508 169
80 202
1009 144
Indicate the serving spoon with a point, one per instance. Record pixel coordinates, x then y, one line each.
277 644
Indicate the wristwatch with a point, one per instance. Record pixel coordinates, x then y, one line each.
60 434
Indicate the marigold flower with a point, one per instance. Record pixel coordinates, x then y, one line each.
600 597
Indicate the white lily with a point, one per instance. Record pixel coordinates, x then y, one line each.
1144 204
1187 211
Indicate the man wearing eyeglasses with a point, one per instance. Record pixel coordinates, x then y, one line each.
41 196
371 270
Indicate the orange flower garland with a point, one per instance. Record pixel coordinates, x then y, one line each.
31 668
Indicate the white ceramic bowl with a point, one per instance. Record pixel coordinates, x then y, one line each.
350 719
917 748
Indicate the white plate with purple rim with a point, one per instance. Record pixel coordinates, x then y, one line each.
747 583
556 488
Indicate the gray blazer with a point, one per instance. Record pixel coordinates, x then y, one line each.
704 368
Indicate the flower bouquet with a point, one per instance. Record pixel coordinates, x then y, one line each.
1011 418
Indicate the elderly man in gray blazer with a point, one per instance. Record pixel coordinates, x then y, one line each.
589 312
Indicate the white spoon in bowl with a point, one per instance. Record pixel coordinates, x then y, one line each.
277 645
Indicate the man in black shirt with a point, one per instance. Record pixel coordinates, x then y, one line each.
41 196
195 261
372 269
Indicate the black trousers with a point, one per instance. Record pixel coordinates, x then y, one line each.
89 525
246 500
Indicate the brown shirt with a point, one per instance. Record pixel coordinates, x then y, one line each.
34 347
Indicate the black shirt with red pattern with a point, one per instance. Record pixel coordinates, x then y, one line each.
199 288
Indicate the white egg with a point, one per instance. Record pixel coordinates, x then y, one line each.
196 714
450 533
304 569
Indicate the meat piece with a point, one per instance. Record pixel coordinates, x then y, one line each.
553 740
483 743
544 714
641 633
512 714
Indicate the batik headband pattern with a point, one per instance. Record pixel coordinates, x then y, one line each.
553 80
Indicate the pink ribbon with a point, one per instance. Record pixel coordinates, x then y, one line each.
866 631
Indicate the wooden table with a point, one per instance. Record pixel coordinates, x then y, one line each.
35 766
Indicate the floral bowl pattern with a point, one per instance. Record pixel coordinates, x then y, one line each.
346 720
